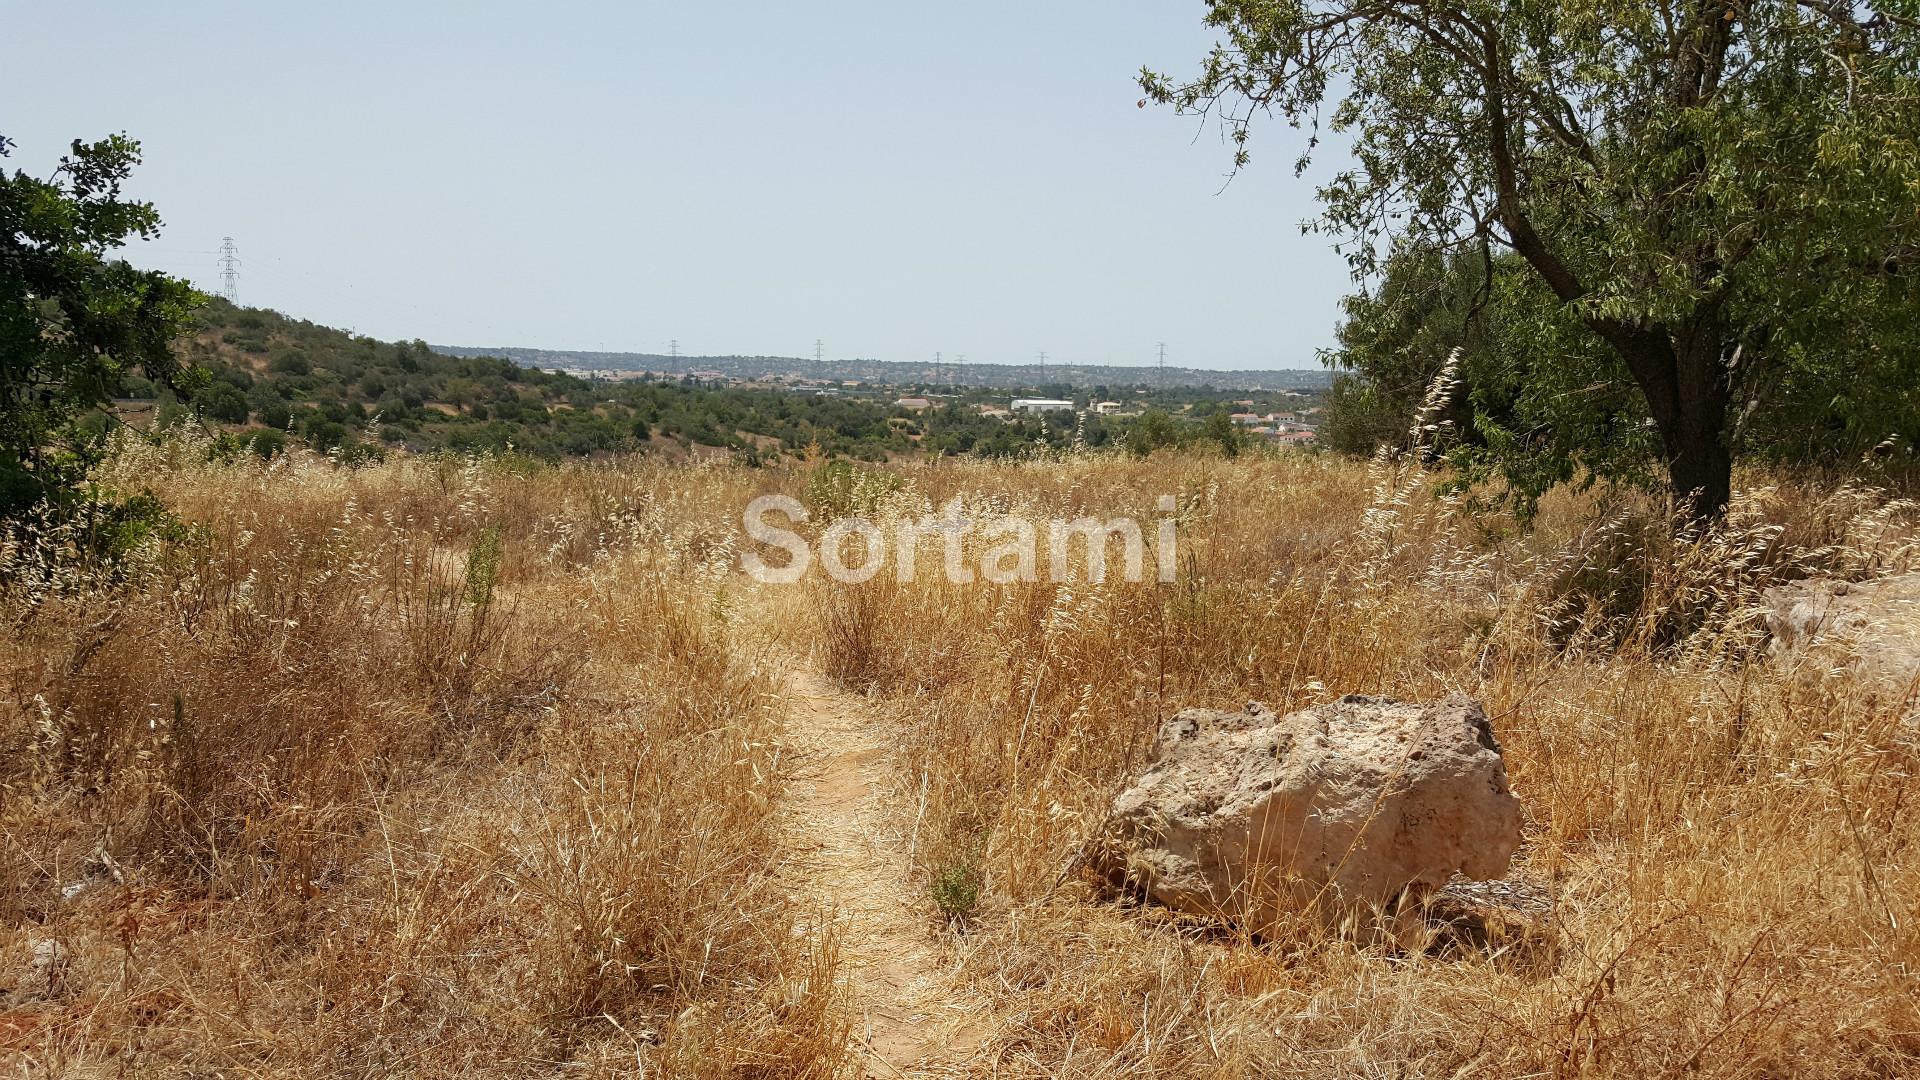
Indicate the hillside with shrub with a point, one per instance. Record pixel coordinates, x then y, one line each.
271 379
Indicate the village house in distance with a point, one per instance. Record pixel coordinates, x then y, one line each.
1281 428
1039 405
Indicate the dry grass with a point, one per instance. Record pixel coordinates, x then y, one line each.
426 769
1731 842
414 770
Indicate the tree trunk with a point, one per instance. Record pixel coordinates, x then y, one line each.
1688 391
1699 464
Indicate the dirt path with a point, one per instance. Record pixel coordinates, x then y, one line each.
850 854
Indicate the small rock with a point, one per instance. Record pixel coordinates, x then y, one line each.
1488 915
46 953
48 964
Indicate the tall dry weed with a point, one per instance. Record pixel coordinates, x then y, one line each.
442 767
422 768
1730 847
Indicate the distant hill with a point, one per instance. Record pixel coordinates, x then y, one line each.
906 374
273 379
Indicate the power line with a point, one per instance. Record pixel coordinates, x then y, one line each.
229 270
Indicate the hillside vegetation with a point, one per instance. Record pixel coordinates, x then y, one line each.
271 378
429 767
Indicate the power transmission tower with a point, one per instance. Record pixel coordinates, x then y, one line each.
936 367
817 345
1043 371
959 359
1163 365
673 347
229 270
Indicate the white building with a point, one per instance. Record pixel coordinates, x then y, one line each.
1034 404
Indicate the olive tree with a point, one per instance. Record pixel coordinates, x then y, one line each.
1702 186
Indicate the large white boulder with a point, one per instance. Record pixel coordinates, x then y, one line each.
1364 801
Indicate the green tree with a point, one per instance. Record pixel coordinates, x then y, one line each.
1395 337
74 323
1532 398
1152 431
1221 429
1703 188
220 401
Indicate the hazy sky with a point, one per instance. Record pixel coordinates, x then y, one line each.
894 178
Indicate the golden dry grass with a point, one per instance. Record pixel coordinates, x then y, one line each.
429 768
1731 842
340 800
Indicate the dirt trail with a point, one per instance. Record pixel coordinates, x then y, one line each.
849 853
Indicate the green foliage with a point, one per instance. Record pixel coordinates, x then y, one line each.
1363 415
222 402
268 443
839 488
353 396
328 387
74 324
956 889
483 566
1153 431
1396 337
1536 401
276 415
116 526
1220 430
96 533
1715 203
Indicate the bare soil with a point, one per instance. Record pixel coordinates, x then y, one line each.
850 857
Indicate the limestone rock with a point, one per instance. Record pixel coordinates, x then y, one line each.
1361 801
1869 627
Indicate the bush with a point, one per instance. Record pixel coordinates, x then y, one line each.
956 890
323 434
840 488
268 443
222 402
277 415
1155 430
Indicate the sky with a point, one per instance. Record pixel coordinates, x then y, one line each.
891 179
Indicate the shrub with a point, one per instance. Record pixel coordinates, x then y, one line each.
222 402
277 416
268 443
